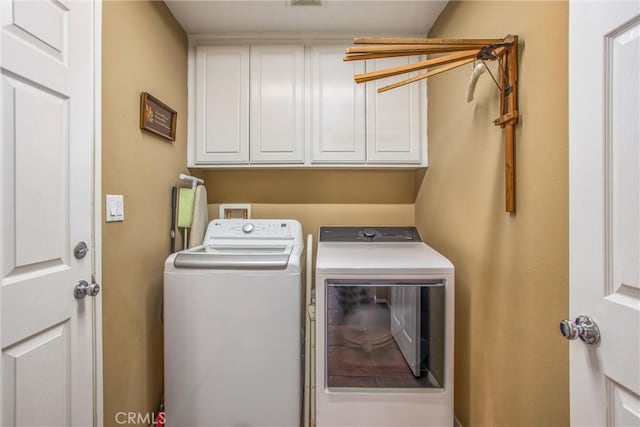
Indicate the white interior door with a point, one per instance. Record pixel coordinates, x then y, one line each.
405 323
604 116
46 180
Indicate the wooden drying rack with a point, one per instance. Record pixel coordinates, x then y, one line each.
460 52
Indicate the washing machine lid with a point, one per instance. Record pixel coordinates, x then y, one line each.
232 257
245 244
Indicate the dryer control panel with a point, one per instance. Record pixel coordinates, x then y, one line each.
369 234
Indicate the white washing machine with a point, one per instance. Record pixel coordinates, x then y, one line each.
232 316
384 329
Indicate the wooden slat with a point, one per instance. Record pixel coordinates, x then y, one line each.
402 69
508 76
392 40
510 128
514 51
501 82
363 56
407 48
502 120
425 75
510 166
512 65
390 54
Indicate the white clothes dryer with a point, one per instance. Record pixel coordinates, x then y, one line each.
384 329
232 317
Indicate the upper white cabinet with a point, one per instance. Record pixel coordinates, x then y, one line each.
337 107
221 116
294 104
277 104
395 118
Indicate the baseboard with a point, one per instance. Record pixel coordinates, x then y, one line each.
456 422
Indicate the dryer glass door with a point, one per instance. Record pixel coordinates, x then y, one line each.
383 334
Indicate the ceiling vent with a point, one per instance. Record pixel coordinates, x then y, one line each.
305 2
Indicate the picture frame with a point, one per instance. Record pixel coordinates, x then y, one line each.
157 117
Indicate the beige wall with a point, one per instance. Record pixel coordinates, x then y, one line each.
318 197
511 363
311 186
144 49
314 215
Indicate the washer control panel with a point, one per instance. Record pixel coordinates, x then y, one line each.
251 229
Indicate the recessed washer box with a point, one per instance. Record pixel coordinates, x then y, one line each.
235 211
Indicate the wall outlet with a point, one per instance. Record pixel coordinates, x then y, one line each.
115 207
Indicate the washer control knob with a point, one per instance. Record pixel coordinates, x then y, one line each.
248 228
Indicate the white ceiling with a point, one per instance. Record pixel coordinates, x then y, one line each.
334 16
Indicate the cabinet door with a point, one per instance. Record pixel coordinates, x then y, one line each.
277 104
395 119
337 108
222 104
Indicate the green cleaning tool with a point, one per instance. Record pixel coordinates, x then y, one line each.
186 197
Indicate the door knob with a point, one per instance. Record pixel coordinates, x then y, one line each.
584 328
83 289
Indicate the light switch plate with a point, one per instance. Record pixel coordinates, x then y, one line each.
115 207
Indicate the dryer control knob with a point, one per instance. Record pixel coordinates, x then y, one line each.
369 233
248 228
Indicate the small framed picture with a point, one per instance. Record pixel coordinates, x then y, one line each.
156 117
